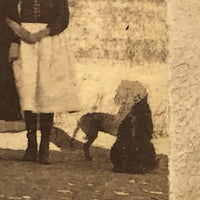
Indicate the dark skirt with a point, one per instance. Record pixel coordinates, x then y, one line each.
9 99
133 151
133 156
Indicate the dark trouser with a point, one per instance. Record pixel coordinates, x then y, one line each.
46 123
9 100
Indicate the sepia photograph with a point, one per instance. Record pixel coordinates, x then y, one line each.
93 100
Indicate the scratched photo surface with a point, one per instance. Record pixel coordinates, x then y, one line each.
104 76
183 66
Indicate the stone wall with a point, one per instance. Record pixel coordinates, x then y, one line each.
114 40
184 101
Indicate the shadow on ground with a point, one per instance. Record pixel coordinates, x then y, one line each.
70 177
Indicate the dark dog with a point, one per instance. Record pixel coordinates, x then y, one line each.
91 124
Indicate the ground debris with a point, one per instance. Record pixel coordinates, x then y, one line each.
132 181
71 184
64 191
144 183
121 193
152 192
89 184
99 172
26 197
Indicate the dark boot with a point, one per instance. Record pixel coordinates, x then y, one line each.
31 126
46 123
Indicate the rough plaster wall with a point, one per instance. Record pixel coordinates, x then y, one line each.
184 101
114 40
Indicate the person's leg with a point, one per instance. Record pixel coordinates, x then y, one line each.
31 126
46 123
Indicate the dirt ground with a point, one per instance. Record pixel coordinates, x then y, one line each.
70 177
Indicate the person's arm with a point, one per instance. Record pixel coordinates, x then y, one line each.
19 31
12 12
61 21
25 35
35 37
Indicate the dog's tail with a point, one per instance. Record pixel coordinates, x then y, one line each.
71 144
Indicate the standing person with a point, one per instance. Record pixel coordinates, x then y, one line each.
9 102
45 82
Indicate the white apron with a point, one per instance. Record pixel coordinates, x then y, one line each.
44 75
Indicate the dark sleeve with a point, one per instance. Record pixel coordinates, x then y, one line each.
61 21
12 36
12 12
